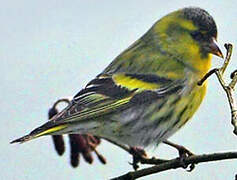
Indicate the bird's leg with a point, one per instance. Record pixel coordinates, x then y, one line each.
183 153
138 154
182 150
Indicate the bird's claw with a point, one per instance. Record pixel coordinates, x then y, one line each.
183 154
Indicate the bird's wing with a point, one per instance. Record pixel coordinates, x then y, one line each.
109 93
106 94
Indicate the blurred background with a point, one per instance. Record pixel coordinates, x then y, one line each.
51 49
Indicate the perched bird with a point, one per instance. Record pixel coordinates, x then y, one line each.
150 90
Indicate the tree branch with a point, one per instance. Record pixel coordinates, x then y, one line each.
176 163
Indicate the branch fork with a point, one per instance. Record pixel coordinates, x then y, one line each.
228 88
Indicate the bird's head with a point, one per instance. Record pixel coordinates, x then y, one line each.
188 34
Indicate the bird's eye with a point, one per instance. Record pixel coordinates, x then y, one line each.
197 35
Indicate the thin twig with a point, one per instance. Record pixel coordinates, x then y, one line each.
65 100
207 76
229 89
175 163
229 48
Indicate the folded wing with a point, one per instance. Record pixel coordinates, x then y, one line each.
106 94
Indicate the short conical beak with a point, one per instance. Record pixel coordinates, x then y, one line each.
214 49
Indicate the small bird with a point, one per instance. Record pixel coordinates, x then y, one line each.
150 90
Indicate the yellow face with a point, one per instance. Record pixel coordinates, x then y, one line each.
187 39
